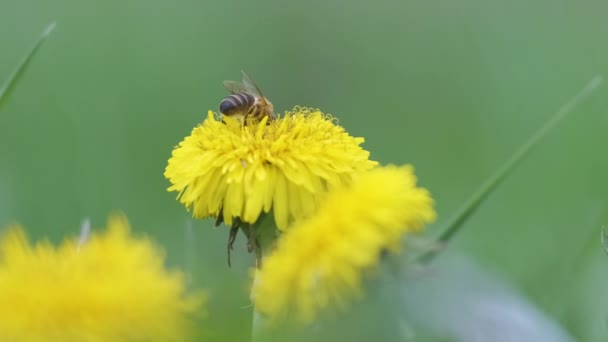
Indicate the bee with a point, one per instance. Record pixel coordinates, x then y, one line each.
246 101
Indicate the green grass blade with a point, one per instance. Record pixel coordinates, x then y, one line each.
12 80
605 238
469 207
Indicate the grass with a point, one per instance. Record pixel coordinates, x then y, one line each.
451 87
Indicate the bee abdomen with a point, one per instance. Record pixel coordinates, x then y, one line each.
234 103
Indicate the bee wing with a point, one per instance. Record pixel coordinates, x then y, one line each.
235 87
250 86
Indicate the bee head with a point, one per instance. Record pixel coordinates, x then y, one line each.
269 108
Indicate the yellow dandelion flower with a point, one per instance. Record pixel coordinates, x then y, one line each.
113 287
319 262
240 171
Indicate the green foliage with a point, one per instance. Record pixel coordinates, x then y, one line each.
453 87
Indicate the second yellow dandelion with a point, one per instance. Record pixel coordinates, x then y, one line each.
319 263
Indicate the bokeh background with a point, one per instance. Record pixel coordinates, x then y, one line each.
453 87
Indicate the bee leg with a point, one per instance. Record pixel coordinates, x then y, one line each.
234 229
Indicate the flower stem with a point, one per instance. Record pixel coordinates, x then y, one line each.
265 232
258 331
472 204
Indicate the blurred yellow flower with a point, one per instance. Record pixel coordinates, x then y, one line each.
113 287
240 171
319 262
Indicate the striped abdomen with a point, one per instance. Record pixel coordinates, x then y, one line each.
237 104
246 105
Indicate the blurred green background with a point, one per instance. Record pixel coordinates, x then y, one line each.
453 87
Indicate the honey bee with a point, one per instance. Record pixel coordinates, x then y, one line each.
246 101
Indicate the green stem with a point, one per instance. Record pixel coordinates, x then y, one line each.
265 232
469 207
258 330
11 81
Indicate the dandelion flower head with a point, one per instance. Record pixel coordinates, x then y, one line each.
319 262
287 165
113 287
